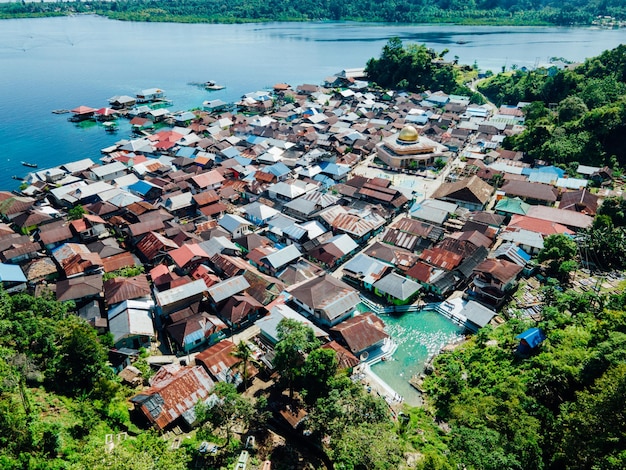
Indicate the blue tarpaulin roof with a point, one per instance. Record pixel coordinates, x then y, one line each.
533 337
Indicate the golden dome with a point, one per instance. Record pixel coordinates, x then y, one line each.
408 134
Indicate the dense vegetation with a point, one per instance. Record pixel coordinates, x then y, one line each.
562 407
557 12
576 115
416 68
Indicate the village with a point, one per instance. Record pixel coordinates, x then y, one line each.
327 204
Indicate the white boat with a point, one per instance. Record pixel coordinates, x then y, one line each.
211 85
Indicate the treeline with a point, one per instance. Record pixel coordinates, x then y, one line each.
576 115
416 68
556 12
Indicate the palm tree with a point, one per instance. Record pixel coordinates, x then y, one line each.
243 351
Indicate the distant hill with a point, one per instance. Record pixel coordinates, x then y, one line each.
517 12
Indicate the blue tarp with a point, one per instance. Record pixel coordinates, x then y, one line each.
531 338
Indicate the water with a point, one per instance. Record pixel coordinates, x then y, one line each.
61 63
419 337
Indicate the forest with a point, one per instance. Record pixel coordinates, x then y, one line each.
500 12
576 115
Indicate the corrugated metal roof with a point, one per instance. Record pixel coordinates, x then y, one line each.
222 290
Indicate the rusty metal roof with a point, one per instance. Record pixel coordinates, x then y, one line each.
175 396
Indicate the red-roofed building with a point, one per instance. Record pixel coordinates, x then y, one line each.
220 363
544 227
173 395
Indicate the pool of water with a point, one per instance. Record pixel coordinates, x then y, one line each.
419 337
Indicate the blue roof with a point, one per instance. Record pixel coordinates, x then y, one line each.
230 152
533 337
325 180
141 187
186 151
11 273
525 256
255 139
277 169
243 161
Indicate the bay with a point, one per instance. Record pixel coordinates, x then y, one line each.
52 63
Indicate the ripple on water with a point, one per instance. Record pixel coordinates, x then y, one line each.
419 337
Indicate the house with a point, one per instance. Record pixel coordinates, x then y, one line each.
12 278
432 211
240 309
397 289
326 299
89 228
362 334
155 247
130 323
532 193
209 180
188 256
75 259
398 257
237 226
530 340
179 297
333 251
580 201
221 291
195 331
268 324
573 220
107 172
472 193
259 213
119 289
274 262
79 288
219 361
475 315
493 280
173 395
363 271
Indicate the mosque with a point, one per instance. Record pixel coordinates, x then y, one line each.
407 149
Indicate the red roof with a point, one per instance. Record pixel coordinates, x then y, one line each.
543 227
84 110
176 393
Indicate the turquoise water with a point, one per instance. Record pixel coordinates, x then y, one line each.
419 336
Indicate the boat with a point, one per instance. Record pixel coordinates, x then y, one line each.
110 126
30 165
60 111
19 178
211 85
462 42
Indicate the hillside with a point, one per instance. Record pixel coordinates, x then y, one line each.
512 12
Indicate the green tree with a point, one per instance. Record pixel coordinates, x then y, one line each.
81 363
295 341
76 212
228 410
243 352
559 251
319 368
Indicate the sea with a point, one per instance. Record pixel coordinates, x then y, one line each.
61 63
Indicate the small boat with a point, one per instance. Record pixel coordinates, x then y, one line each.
60 111
30 165
19 178
211 85
462 42
110 126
